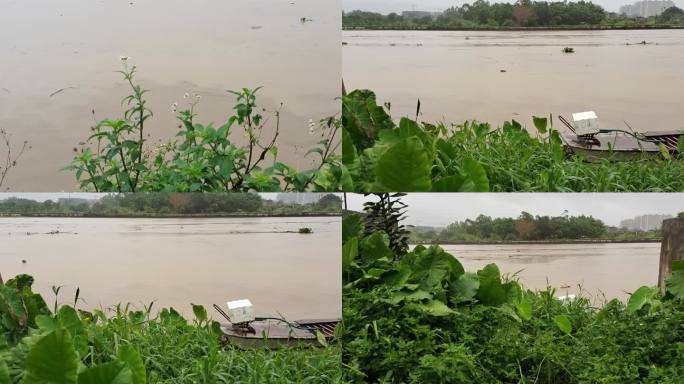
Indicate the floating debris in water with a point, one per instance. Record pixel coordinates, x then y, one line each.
568 50
502 70
23 261
255 27
61 90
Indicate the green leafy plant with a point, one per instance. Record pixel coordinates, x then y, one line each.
202 157
125 346
413 156
422 318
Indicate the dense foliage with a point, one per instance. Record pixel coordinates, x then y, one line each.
70 346
419 318
521 14
117 158
525 227
162 203
413 156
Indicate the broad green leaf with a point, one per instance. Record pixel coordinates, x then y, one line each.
464 288
563 323
540 123
52 359
640 297
404 167
200 312
349 155
115 372
418 295
69 320
132 358
476 177
524 308
433 307
491 291
351 227
376 246
350 251
432 266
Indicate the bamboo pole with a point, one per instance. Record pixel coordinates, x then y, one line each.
671 248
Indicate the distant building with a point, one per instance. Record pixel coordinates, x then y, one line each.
644 223
646 8
299 198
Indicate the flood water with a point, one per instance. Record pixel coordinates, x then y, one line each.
613 270
458 75
181 261
202 46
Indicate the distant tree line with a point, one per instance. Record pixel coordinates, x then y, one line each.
524 227
522 13
165 203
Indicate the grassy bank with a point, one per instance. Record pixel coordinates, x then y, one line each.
413 156
65 345
419 317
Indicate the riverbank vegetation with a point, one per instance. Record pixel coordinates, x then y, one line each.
527 227
413 156
67 345
483 14
417 316
160 204
117 156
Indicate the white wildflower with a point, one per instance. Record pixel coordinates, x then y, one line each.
174 107
186 95
312 127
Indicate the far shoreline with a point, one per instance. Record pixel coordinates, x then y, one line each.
175 215
513 29
529 242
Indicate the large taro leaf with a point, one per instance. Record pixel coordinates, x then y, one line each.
374 247
540 123
405 167
409 296
675 282
12 314
131 357
69 320
492 290
432 307
351 227
52 359
433 265
642 296
349 155
363 119
115 372
464 288
472 178
350 251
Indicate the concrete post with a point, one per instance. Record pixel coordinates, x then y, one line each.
671 249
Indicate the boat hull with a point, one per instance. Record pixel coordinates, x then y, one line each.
618 146
277 334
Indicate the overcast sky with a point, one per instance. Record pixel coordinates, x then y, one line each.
440 209
387 6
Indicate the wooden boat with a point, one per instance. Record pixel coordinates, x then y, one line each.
274 332
620 145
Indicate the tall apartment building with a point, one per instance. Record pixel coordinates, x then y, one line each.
646 8
644 223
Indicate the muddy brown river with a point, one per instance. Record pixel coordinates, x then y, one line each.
181 261
202 46
498 76
613 270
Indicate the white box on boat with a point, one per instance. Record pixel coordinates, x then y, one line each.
586 123
240 311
